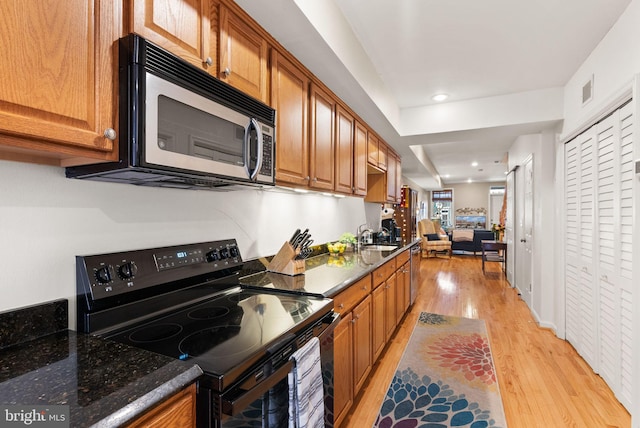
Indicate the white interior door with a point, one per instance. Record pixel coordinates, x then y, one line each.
509 227
524 282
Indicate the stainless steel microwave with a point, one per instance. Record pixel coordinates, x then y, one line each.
182 128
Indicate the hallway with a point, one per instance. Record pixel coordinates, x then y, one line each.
543 382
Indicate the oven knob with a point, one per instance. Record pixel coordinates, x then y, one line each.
224 253
127 270
104 274
234 251
212 256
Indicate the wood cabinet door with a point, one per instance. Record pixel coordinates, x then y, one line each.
391 178
403 285
343 368
179 26
390 307
362 351
289 96
177 411
382 155
360 160
378 331
372 149
321 139
344 151
58 94
243 56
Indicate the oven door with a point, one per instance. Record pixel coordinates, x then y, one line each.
186 131
265 403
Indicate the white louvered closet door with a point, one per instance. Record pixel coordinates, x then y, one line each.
599 174
572 250
615 222
580 293
627 177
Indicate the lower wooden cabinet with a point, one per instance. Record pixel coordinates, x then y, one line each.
362 351
178 411
370 309
342 368
390 307
378 332
403 290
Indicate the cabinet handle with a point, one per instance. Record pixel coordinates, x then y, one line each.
341 306
307 178
605 278
208 61
353 321
226 72
364 288
315 179
110 134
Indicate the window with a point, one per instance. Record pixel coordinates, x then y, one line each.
442 206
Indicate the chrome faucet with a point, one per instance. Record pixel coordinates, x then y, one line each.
361 231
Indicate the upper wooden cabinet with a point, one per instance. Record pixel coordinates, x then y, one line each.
243 56
360 160
392 179
179 26
372 149
321 139
58 80
344 150
290 97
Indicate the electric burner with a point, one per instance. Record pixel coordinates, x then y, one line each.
154 333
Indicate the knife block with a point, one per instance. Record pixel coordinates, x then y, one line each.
285 261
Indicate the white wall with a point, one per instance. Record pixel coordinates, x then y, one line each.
614 65
542 147
47 219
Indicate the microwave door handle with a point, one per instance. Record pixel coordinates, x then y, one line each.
253 123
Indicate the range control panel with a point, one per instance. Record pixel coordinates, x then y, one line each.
107 275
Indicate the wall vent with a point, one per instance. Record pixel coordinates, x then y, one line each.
587 91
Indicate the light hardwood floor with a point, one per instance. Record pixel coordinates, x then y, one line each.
543 381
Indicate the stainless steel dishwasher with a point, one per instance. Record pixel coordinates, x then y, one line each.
415 271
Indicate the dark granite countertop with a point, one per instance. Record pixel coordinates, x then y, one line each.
327 275
104 383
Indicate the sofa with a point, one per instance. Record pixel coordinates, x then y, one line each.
474 245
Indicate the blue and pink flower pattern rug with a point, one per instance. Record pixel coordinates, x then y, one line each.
446 378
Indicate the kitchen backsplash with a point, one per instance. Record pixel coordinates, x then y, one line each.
47 219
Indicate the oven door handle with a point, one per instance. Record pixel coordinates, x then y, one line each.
234 406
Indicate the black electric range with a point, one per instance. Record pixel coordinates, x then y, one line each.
186 302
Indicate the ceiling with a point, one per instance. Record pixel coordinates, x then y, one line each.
503 63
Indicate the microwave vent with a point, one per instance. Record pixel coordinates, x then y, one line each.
159 61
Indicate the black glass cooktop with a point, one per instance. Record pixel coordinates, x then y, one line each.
231 330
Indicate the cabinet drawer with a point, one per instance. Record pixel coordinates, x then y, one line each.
402 258
383 272
347 299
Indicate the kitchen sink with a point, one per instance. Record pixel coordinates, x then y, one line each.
379 247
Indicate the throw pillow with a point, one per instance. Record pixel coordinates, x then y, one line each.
432 237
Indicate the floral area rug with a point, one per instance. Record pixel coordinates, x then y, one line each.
446 378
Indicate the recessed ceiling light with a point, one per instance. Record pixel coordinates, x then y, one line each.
474 163
469 181
440 97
